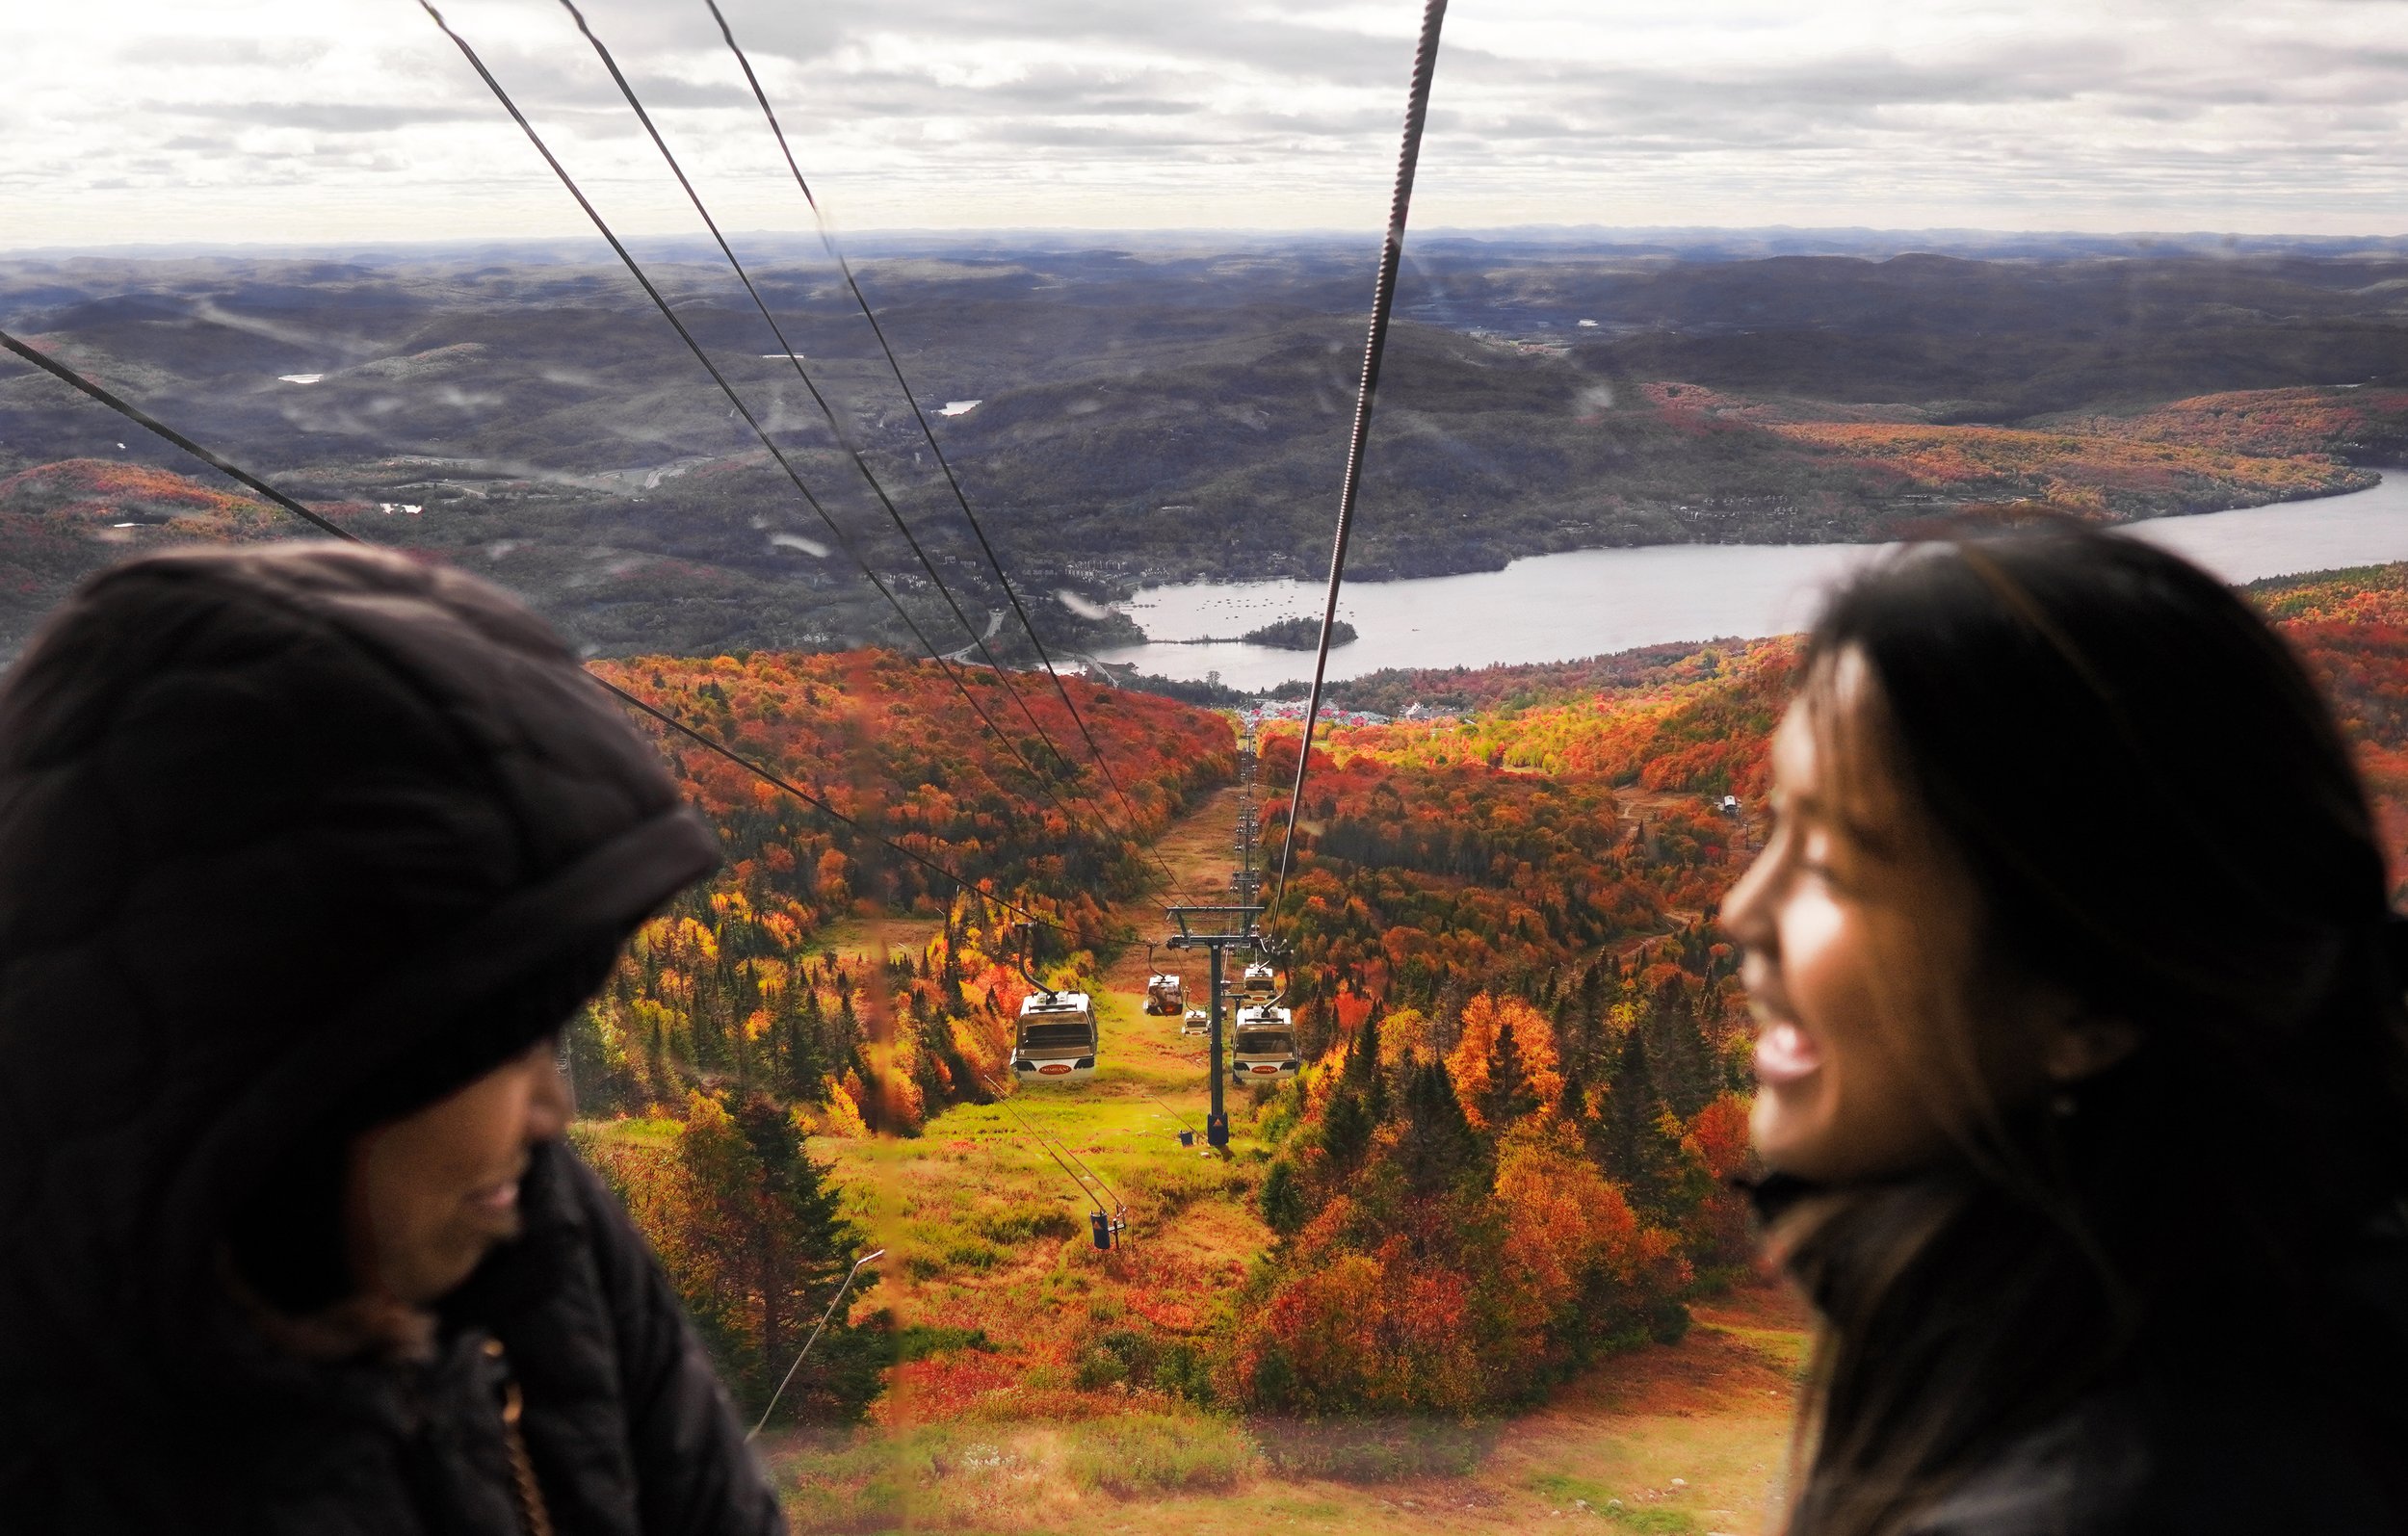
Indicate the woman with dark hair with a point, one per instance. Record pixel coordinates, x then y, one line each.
307 855
2082 1072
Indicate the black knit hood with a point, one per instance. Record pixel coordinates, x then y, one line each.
273 824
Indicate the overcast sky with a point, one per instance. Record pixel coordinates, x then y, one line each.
135 121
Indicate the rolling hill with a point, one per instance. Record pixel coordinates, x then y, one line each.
1153 411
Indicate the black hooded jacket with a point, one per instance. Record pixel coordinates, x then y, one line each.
273 825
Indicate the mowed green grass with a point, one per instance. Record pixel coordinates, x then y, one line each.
987 1237
998 1293
985 1215
1686 1439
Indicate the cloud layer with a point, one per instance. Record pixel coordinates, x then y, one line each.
341 120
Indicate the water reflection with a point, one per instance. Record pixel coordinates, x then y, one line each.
1553 608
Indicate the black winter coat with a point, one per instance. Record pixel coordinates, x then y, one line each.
269 821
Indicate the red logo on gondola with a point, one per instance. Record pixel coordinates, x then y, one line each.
1056 1067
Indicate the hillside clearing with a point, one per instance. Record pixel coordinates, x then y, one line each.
1679 1439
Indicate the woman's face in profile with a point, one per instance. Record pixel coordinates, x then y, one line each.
1860 934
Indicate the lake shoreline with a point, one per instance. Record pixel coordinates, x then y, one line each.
1562 607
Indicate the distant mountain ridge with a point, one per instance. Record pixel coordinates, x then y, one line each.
1162 407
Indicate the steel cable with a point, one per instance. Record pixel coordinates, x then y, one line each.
836 426
927 432
142 419
636 269
1383 299
1045 1145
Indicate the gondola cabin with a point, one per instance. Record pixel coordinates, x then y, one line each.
1056 1041
1164 994
1259 978
1264 1050
1200 1021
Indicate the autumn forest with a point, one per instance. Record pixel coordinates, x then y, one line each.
1512 1149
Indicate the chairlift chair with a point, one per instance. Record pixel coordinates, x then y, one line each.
1264 1050
1056 1040
1165 991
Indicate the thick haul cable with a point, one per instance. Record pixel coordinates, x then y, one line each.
786 348
784 1381
1383 299
661 303
927 433
836 425
1080 1176
142 419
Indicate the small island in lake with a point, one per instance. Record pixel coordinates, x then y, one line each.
1299 635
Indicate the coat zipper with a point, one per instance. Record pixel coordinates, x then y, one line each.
534 1518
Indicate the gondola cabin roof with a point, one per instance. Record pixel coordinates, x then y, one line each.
1037 1004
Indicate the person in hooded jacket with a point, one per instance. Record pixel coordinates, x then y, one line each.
307 855
2082 1065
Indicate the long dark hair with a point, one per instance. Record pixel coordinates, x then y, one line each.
2162 821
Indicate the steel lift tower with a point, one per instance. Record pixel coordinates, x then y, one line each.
1219 930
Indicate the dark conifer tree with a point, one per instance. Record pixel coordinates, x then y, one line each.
779 1246
1283 1200
1438 1151
1509 1096
1642 1141
1346 1133
1685 1074
1364 1069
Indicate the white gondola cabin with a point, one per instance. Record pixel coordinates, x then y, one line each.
1259 978
1056 1041
1200 1021
1165 992
1265 1048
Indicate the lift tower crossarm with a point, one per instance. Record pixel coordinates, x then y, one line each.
1235 929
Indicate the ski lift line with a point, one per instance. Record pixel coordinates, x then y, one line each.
783 1381
794 359
1012 1110
1173 1113
828 240
733 399
149 422
1384 299
244 476
1085 1173
1003 1102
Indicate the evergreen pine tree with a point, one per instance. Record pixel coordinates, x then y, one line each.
1437 1150
1357 1105
1345 1132
1686 1075
1363 1067
1642 1147
1283 1201
1508 1096
774 1246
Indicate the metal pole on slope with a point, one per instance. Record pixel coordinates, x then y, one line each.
1236 924
1216 1119
873 1254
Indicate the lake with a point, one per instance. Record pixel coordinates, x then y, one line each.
1556 607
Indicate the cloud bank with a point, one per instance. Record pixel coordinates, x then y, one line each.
338 120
